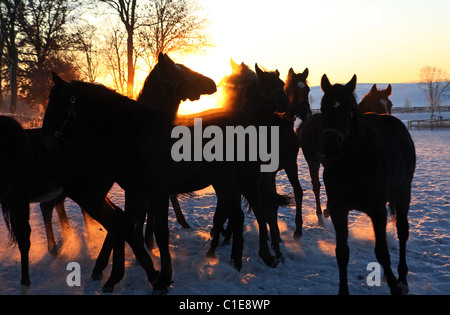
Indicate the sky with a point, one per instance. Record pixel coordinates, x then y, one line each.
382 41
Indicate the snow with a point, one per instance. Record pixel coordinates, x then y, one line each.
309 266
400 93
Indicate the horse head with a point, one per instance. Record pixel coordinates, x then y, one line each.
272 89
60 111
174 82
297 90
338 109
377 101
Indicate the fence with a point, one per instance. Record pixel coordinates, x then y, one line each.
429 124
421 109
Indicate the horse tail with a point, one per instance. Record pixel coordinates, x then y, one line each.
269 194
7 216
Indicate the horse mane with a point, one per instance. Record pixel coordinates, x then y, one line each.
234 86
97 90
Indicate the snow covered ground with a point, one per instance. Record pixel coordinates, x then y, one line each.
309 268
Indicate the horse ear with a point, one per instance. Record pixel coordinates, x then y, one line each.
57 79
325 84
234 65
351 85
161 57
259 72
374 88
277 72
291 72
389 90
305 73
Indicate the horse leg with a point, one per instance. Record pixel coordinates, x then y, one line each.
178 213
379 222
160 212
292 174
220 216
63 219
401 209
237 222
339 218
47 213
103 258
252 194
19 214
314 167
149 229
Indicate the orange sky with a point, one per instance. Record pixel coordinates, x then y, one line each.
381 41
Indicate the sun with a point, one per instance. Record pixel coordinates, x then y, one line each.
214 65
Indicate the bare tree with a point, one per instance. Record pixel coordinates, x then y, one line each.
127 11
435 84
44 36
176 26
86 42
9 27
115 58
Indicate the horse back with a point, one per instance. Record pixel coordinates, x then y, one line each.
396 149
15 158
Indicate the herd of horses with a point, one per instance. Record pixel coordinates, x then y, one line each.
93 137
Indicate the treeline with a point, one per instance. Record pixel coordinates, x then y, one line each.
88 40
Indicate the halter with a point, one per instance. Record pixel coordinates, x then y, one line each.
70 115
341 135
172 85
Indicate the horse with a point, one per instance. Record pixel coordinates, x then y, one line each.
309 134
48 192
232 179
377 101
297 90
15 187
136 140
369 160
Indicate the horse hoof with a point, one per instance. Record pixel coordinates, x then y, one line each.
298 234
97 276
271 262
403 287
236 264
211 254
25 282
108 288
320 221
160 291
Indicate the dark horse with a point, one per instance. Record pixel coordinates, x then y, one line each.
231 179
297 90
309 134
15 187
137 141
369 160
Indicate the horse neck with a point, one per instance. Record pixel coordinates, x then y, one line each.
254 105
362 138
152 96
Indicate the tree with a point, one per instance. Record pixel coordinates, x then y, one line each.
8 27
115 58
126 9
86 42
176 26
435 84
44 43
